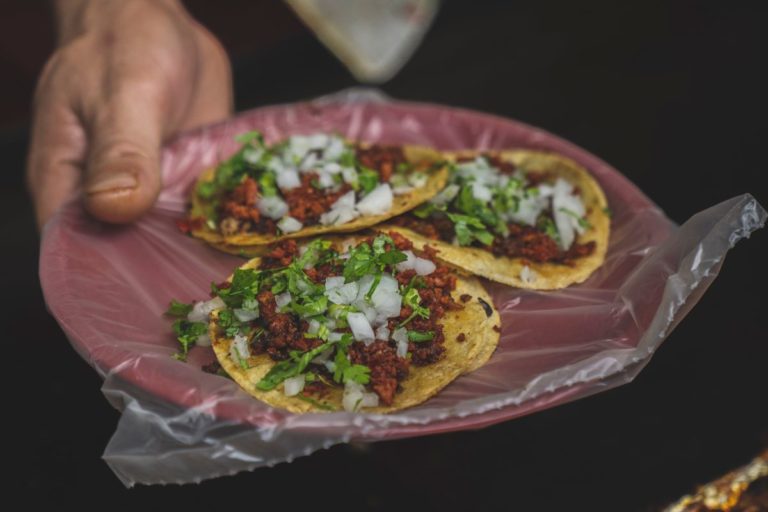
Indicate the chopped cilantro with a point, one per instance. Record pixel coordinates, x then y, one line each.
548 226
319 405
206 189
267 184
249 137
310 306
346 371
347 159
417 336
230 324
289 368
584 223
368 179
412 299
178 309
374 285
469 228
244 287
187 334
365 259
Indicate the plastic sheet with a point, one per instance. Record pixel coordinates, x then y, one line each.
108 286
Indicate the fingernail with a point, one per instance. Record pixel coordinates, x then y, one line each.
112 181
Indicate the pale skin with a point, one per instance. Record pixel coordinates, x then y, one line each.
126 76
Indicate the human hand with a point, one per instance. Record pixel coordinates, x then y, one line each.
126 76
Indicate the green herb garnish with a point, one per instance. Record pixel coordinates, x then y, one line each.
178 309
417 336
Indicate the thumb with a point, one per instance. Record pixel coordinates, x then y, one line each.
122 179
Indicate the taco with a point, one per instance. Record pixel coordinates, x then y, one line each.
523 218
357 323
305 186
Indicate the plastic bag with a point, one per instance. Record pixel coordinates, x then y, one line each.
108 287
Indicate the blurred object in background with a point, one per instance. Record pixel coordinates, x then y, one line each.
742 490
373 38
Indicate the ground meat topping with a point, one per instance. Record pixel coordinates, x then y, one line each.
241 203
281 255
384 159
283 332
523 241
307 202
534 245
386 368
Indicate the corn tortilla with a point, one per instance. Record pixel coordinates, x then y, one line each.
422 382
546 276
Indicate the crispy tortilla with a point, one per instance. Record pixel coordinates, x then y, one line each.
474 321
547 276
253 241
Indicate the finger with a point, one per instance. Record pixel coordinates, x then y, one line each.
213 100
122 177
56 154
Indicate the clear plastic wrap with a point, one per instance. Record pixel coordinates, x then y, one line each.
108 286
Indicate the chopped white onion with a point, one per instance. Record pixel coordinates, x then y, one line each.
527 275
399 191
567 209
318 140
377 202
345 201
292 386
334 282
253 155
353 396
203 340
446 195
361 328
386 299
325 180
289 225
382 332
283 299
323 356
201 310
345 294
400 336
408 263
239 348
332 168
402 348
335 336
366 309
349 175
288 179
481 192
308 162
330 366
417 179
246 315
338 216
528 210
370 400
424 267
273 207
313 327
334 149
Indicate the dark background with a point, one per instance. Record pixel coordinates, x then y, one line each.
670 92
